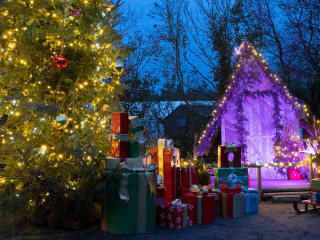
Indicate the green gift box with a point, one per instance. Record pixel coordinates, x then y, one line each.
315 184
137 148
134 149
133 210
231 177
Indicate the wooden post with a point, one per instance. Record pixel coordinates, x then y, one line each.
311 170
259 181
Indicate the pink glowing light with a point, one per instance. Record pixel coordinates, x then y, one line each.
294 174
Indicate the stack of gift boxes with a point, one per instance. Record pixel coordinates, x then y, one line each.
158 189
125 147
197 206
232 180
133 209
315 191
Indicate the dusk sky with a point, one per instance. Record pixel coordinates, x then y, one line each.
142 8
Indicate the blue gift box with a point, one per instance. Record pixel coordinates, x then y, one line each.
250 201
317 198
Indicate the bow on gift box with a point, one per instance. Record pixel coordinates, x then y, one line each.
230 147
202 191
195 188
148 176
177 202
235 190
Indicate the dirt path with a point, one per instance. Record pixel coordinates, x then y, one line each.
274 221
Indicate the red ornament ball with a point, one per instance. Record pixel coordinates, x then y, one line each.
75 12
60 61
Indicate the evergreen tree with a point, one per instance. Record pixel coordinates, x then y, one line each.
54 55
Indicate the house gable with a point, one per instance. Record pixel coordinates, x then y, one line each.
251 80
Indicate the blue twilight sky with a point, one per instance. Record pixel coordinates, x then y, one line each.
145 23
142 8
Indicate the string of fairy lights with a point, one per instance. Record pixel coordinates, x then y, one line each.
57 43
273 77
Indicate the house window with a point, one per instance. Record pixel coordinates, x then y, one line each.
181 122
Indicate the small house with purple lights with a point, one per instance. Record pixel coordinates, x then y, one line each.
253 112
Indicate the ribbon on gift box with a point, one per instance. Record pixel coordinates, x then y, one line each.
113 163
199 211
145 180
118 136
139 135
235 190
160 161
142 147
165 143
146 173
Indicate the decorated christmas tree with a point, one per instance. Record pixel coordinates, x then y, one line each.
288 150
59 84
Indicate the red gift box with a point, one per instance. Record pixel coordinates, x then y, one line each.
203 207
231 201
166 168
232 205
119 123
119 149
175 216
163 157
223 161
187 176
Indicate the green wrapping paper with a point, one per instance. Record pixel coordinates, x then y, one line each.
133 210
134 150
231 177
315 184
137 148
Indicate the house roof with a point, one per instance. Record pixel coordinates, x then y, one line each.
249 65
202 108
159 110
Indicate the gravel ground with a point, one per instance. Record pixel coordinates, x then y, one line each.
274 221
